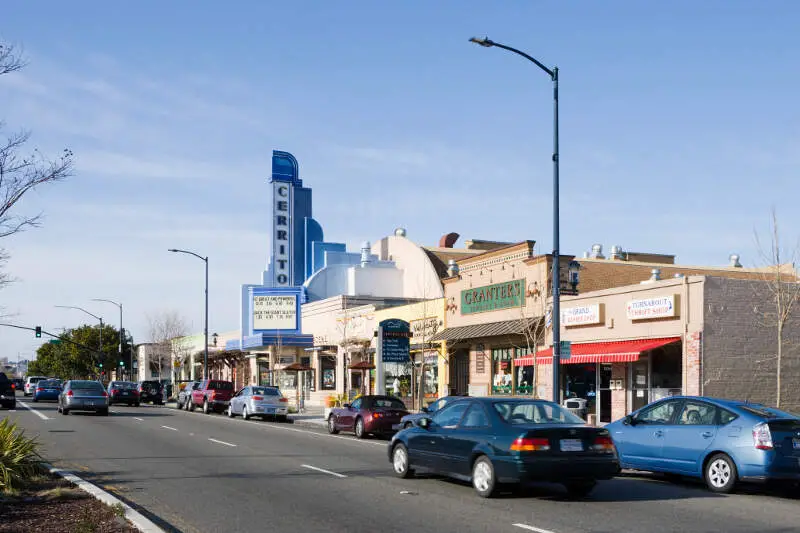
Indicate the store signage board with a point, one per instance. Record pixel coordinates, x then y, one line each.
493 297
394 336
274 312
657 307
582 315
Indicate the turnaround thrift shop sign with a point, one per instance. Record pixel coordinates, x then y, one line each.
658 307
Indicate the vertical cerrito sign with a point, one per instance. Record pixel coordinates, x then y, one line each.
282 236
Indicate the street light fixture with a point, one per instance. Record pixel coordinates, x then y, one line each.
121 331
205 326
556 313
90 314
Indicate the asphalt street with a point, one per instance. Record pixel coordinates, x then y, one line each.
191 472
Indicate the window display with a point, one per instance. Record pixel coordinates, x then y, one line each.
502 359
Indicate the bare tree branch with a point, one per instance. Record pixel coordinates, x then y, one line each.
11 59
165 329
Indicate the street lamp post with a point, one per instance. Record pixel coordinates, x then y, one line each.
205 325
556 313
130 368
90 314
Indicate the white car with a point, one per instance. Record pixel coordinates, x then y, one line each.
265 402
30 384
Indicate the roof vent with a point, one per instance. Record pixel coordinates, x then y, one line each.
678 275
734 261
400 232
616 252
447 241
586 255
452 268
655 274
597 251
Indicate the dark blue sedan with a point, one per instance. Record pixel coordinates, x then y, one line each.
720 441
492 441
47 390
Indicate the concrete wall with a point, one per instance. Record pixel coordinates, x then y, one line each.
739 344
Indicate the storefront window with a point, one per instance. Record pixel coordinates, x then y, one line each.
524 380
263 374
431 374
328 369
502 370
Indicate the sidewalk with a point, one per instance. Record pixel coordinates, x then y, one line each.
313 416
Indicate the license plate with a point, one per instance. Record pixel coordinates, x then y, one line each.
796 444
571 445
269 410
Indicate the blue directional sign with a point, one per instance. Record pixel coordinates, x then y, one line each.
395 337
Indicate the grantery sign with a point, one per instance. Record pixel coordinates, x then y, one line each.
493 297
658 307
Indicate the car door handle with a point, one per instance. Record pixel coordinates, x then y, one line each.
658 433
707 434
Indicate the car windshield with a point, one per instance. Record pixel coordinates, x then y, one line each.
220 385
90 386
266 391
50 383
534 412
765 412
390 403
124 385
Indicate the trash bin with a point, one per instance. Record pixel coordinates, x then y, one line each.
576 406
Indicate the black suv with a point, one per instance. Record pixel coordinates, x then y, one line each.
8 396
151 391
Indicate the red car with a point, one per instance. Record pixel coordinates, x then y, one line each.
367 414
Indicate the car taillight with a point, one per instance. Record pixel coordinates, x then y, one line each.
284 400
603 443
258 398
105 394
115 392
13 386
377 415
523 444
39 389
762 437
70 393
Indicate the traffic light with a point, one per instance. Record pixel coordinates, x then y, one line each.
122 364
38 332
101 365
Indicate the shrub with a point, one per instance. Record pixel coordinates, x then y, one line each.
19 455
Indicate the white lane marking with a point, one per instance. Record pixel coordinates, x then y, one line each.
12 410
167 427
40 415
222 442
139 419
531 528
323 470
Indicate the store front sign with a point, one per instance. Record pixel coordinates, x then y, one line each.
582 316
493 297
274 312
659 307
424 328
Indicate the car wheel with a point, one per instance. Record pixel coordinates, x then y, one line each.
580 489
104 412
408 425
230 412
720 474
205 406
64 412
136 404
245 416
34 400
359 429
191 406
332 425
400 464
483 477
283 419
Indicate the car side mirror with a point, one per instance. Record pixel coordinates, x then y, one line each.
347 406
629 420
425 422
424 409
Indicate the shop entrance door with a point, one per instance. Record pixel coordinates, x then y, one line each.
640 384
604 393
459 373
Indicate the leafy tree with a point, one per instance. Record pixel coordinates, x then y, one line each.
78 355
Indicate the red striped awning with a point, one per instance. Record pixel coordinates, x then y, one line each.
600 352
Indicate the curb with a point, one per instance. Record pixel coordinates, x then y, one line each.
132 515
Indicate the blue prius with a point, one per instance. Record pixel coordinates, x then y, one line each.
47 390
720 441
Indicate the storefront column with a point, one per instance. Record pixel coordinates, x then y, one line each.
693 364
619 397
444 370
544 381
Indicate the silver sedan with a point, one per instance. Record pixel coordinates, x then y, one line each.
266 402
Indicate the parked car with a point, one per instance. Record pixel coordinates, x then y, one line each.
490 441
30 384
83 395
366 415
212 395
126 392
266 402
721 441
47 389
8 396
151 391
410 419
185 393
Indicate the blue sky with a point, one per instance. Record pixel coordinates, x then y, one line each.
680 128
